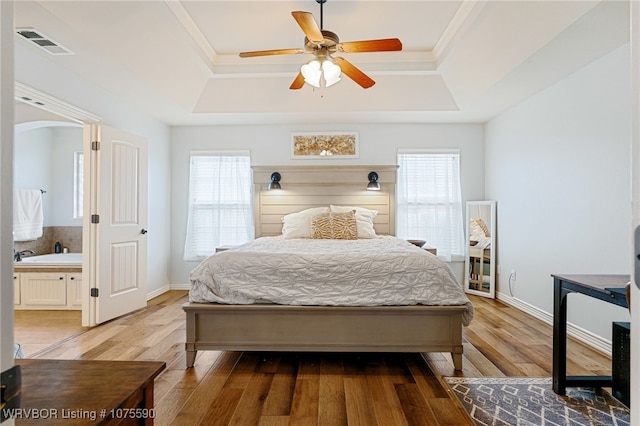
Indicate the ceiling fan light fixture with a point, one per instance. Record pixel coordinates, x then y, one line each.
331 73
312 73
316 73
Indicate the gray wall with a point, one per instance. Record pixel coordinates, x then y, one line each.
559 166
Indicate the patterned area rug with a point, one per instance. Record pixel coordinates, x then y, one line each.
531 401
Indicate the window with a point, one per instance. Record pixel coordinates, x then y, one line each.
220 202
78 182
429 201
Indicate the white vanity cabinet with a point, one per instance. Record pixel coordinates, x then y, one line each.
48 290
74 290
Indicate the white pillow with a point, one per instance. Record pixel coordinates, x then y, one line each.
298 225
364 219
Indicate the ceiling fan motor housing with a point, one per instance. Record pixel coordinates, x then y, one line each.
330 42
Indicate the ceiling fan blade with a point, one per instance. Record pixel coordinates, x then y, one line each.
309 26
271 52
381 45
354 73
298 82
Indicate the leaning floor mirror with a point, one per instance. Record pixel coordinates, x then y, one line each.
480 265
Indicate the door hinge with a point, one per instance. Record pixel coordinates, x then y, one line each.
94 292
95 146
95 218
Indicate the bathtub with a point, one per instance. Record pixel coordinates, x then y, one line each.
54 259
49 281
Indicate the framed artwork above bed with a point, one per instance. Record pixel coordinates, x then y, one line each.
312 145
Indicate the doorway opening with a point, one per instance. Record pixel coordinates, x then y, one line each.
107 194
49 151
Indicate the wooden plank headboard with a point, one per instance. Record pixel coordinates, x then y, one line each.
314 186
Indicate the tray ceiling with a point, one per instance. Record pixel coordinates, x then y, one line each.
462 61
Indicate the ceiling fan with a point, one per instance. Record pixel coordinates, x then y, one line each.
324 68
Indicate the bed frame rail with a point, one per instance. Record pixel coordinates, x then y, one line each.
419 328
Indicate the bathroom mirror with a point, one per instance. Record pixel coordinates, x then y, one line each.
480 265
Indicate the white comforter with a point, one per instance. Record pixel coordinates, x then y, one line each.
367 272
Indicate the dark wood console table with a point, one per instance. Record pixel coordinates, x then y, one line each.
609 288
83 392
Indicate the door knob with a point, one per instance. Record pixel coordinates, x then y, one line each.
143 231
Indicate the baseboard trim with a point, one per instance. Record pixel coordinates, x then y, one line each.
158 292
166 288
162 290
594 341
180 286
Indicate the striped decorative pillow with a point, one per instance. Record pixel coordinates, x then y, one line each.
483 226
479 227
335 226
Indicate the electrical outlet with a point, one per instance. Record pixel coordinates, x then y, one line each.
513 275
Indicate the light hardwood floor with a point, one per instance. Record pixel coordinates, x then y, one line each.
309 388
38 331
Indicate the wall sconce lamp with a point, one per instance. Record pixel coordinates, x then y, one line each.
373 185
275 181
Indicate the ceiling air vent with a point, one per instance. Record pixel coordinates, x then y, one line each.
43 42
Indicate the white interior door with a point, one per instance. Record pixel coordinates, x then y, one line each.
121 243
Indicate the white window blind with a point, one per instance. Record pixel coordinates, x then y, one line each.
429 201
220 203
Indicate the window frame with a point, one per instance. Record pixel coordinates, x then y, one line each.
192 253
456 238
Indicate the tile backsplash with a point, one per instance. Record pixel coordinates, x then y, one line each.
68 236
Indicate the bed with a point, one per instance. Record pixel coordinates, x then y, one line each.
238 301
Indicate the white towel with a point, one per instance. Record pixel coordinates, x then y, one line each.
27 214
